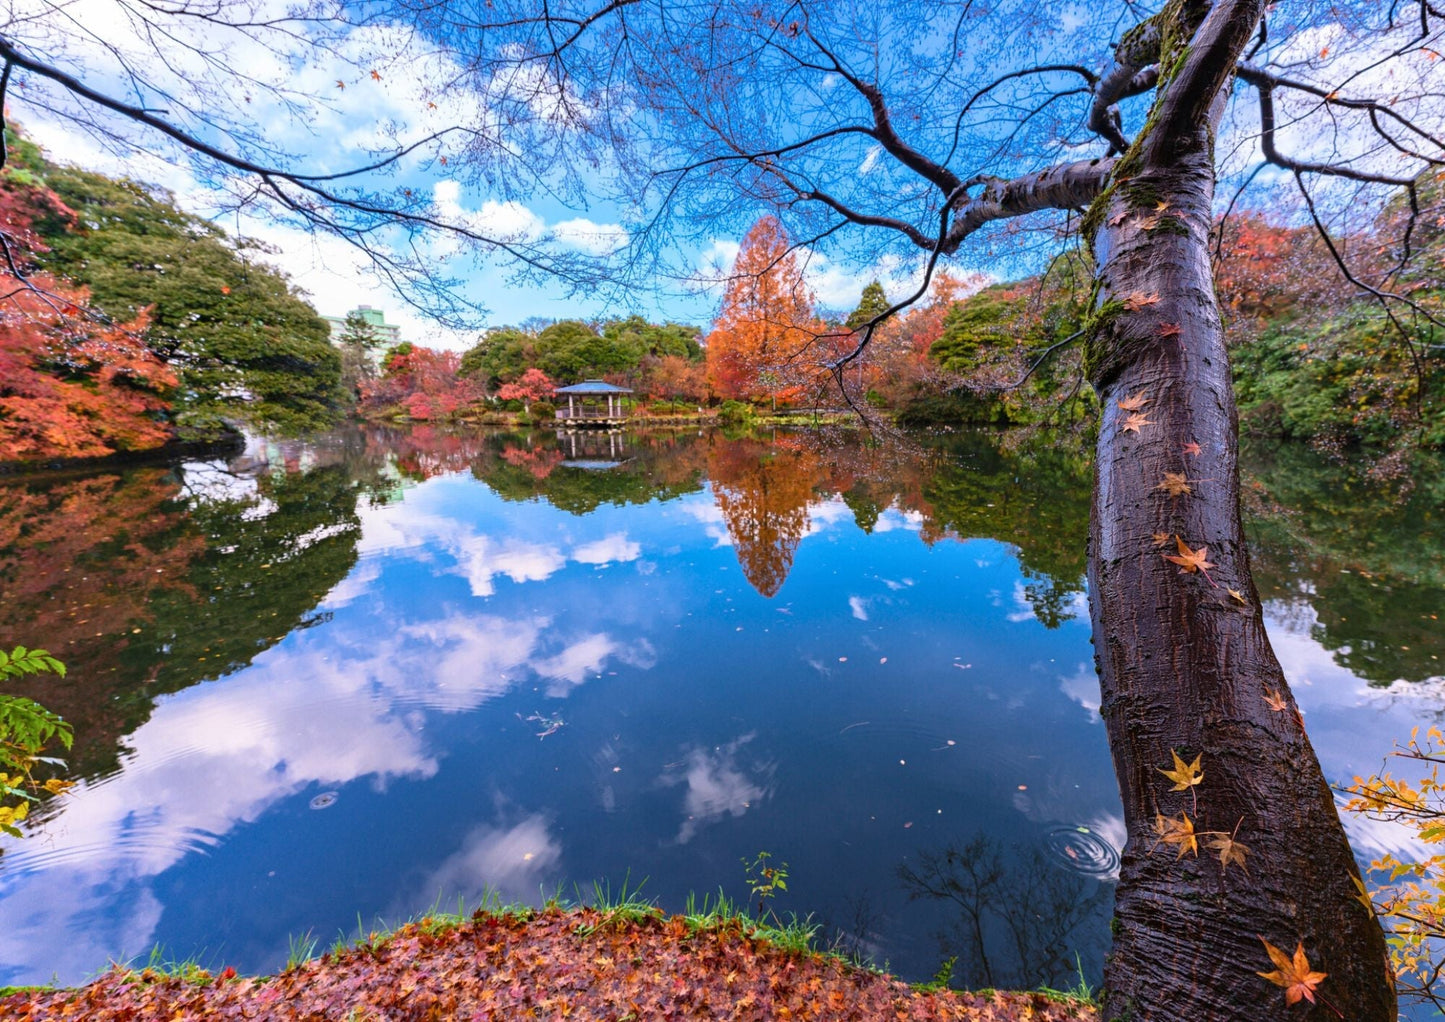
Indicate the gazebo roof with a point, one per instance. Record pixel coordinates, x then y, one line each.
593 387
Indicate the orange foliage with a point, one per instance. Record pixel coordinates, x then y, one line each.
71 386
766 324
764 502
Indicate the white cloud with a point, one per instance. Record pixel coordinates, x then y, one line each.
615 547
717 786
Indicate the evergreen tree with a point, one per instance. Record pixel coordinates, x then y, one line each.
871 305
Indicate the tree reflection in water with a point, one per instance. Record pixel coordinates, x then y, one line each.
1021 918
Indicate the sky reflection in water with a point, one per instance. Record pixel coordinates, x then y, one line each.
519 674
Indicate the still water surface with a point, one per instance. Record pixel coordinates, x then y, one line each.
339 681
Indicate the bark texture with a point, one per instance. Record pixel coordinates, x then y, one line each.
1184 665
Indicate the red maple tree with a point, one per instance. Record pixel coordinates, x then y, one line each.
71 384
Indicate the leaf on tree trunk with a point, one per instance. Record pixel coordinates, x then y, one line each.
1133 403
1184 776
1170 330
1274 700
1293 974
1160 538
1177 831
1190 561
1237 596
1138 300
1175 483
1134 421
1118 218
1191 448
1229 849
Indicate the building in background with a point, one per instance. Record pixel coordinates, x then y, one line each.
389 333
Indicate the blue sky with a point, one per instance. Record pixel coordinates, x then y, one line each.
374 86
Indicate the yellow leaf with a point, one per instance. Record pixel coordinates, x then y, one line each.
1184 776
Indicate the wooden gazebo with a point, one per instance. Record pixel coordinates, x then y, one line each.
593 403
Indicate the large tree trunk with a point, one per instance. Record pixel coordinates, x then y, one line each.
1184 663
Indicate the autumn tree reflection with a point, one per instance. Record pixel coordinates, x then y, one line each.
149 580
763 491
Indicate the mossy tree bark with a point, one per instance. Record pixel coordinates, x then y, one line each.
1184 663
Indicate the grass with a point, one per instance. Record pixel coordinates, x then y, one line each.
1081 992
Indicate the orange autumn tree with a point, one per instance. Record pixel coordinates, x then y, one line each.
71 384
765 327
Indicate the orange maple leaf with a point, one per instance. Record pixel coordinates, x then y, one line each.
1138 300
1191 448
1133 403
1160 538
340 84
1190 561
1275 700
1169 330
1292 974
375 75
1134 421
1175 483
1177 831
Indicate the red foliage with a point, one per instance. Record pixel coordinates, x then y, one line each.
538 461
1265 270
533 385
425 383
559 965
70 385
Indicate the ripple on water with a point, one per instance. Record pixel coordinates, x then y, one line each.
325 800
1081 850
145 844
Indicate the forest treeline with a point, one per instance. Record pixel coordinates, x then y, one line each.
143 324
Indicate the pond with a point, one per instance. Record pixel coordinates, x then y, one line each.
320 685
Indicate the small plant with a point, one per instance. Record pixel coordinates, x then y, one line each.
765 880
300 950
26 728
943 977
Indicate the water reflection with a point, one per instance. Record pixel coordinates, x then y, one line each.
1018 918
497 666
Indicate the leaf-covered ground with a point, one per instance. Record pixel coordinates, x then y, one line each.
558 965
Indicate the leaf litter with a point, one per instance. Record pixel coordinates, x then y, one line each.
581 964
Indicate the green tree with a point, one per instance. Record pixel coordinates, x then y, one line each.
502 354
357 343
872 304
243 341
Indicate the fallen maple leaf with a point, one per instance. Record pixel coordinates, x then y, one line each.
1236 595
1292 974
1138 300
1191 448
1169 330
1190 561
1184 776
1229 849
1275 700
1175 483
1133 403
376 76
1118 218
1160 538
1134 421
1178 831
